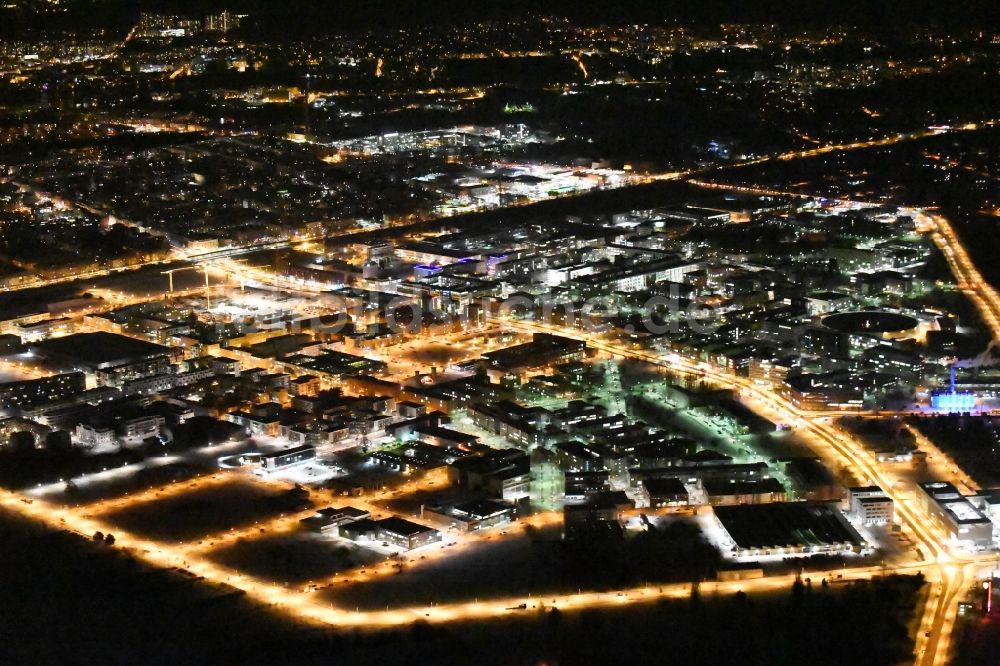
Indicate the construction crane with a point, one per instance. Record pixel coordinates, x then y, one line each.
170 275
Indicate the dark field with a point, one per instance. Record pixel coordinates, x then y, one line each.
202 512
116 611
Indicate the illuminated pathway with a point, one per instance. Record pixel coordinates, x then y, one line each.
948 468
838 147
946 572
946 580
156 493
306 607
289 522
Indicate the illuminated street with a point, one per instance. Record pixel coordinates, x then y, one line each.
508 334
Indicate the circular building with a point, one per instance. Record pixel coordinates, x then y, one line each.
873 322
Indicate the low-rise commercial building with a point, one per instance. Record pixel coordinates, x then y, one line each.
787 528
869 505
405 534
330 519
729 491
470 516
287 458
505 474
955 514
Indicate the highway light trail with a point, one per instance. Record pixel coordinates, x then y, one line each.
970 280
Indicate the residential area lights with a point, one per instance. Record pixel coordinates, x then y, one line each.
291 348
300 603
954 567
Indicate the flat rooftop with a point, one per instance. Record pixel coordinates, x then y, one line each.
964 512
481 509
668 486
403 527
724 487
99 350
786 524
957 505
295 450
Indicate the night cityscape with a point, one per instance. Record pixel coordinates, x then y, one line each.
428 332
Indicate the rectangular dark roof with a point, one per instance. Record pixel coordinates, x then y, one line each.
718 487
483 508
403 527
100 349
446 434
294 450
359 527
543 349
344 512
669 487
783 524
